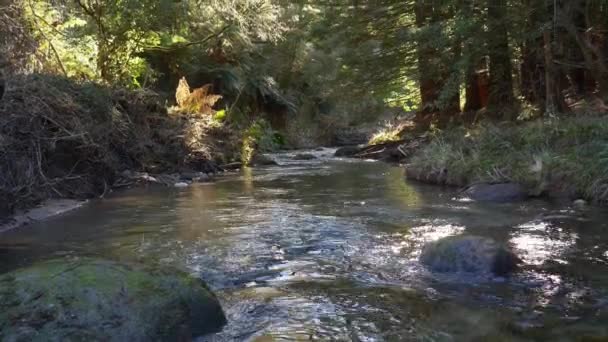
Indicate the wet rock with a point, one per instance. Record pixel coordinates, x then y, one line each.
262 160
470 254
181 185
190 176
304 156
347 151
319 149
501 192
579 204
232 166
194 177
99 300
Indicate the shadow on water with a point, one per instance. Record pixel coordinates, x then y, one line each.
327 249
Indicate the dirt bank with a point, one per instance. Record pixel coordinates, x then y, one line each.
61 139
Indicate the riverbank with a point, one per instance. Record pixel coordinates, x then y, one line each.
563 158
555 158
62 139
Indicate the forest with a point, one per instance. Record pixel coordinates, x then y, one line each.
497 89
303 170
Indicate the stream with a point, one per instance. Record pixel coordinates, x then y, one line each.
327 250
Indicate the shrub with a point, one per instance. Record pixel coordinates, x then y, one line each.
259 137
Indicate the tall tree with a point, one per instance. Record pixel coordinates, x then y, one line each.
501 99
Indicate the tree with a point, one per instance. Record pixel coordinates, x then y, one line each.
501 98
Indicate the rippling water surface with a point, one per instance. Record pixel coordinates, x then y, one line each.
327 249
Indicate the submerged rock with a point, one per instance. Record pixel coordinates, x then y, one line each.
262 160
99 300
347 151
232 166
304 156
501 192
470 254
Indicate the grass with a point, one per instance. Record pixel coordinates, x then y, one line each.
567 155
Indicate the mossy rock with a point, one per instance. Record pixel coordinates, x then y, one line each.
100 300
469 254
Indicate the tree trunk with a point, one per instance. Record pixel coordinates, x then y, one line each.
532 62
476 90
427 58
550 98
501 101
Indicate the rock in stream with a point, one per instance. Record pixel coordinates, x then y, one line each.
470 254
100 300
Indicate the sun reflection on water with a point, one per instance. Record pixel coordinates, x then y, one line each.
539 242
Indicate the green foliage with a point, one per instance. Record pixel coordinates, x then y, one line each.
259 137
219 116
391 132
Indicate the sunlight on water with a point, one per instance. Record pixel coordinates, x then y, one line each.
540 242
328 250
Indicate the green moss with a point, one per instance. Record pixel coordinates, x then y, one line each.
111 301
570 155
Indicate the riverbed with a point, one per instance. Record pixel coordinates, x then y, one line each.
327 249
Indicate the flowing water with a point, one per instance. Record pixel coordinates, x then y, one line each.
327 250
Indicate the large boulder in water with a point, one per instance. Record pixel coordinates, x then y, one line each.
470 254
501 192
260 159
99 300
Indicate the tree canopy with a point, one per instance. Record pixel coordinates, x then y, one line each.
496 58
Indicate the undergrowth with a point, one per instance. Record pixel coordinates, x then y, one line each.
389 133
568 155
60 138
259 137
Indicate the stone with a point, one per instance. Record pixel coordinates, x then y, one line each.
304 156
190 175
468 254
347 151
100 300
579 203
261 160
232 166
501 192
181 185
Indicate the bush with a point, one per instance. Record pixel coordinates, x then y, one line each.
390 132
260 137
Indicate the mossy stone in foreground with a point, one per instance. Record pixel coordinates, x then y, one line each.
100 300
